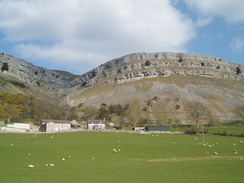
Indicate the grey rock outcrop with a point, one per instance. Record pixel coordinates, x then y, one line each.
130 67
145 65
31 74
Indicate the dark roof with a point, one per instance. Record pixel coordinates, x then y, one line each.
54 121
96 121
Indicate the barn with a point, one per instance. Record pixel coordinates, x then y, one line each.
96 124
49 125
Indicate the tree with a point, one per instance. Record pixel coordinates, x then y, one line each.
5 67
103 112
239 111
238 70
197 112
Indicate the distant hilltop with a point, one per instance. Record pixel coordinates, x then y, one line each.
144 65
156 86
130 67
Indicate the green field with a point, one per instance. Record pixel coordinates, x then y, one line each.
143 158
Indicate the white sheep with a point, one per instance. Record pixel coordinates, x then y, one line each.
63 159
46 164
69 156
119 150
114 150
234 144
11 145
51 137
31 166
51 164
241 141
215 153
118 141
209 146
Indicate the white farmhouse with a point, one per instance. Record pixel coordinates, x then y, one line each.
96 124
49 125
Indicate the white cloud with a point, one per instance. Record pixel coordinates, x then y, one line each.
84 34
230 10
202 21
237 44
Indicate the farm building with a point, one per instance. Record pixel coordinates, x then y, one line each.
16 127
48 125
158 129
96 124
139 129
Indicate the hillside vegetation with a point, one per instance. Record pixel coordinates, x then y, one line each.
135 89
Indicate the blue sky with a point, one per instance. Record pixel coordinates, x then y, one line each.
79 35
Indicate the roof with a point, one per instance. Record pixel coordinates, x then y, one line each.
96 121
54 121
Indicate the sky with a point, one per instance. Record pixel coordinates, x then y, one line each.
79 35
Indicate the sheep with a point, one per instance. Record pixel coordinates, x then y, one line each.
11 145
241 141
119 150
173 142
51 164
63 159
93 158
196 139
216 144
118 141
234 144
29 154
209 146
215 153
47 165
31 166
114 150
69 156
51 137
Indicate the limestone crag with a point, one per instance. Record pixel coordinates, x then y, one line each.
31 74
130 67
146 65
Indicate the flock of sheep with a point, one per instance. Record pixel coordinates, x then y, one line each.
63 159
118 150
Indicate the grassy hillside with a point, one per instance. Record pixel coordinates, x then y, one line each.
220 96
142 158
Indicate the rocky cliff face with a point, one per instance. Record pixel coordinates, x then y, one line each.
148 65
34 75
131 67
175 78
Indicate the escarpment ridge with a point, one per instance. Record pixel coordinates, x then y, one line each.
127 68
145 65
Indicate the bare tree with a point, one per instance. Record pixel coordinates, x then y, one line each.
239 111
197 112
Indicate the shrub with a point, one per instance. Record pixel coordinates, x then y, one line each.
238 70
191 130
5 67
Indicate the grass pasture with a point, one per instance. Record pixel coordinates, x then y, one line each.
143 158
